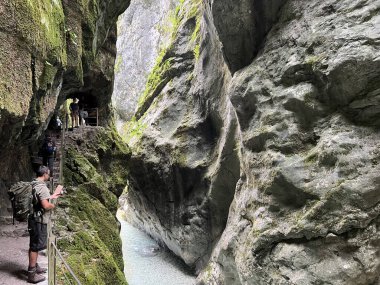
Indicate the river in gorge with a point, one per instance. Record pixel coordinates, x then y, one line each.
145 263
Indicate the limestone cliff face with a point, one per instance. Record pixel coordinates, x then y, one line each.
256 142
185 184
141 33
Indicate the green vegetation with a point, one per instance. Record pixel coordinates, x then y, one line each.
95 174
180 157
196 10
41 25
311 158
47 76
94 250
314 60
159 76
133 129
118 62
72 37
156 78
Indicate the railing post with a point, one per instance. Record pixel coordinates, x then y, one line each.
97 117
62 157
66 122
51 259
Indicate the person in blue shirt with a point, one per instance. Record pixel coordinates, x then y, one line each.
74 109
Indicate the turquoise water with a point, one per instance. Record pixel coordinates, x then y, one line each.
145 263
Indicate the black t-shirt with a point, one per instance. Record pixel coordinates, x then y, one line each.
74 106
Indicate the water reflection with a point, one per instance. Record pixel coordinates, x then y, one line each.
145 263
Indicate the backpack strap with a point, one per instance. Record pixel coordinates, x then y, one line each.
37 210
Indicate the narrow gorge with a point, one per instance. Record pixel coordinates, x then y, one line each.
242 136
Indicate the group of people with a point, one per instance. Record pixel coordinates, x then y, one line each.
42 199
78 115
42 204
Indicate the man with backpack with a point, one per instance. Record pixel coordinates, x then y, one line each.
37 221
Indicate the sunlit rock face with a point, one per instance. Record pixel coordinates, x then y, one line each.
141 34
263 168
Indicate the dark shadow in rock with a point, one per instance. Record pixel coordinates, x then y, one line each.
257 143
306 115
242 26
287 194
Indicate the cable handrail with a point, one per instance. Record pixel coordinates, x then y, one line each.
65 263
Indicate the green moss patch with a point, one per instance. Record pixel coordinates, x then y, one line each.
95 174
160 74
48 75
94 250
41 25
133 129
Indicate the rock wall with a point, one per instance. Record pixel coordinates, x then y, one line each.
182 190
256 142
50 50
141 34
85 222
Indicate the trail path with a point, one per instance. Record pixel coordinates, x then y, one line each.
14 245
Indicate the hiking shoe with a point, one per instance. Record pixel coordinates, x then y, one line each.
40 270
34 278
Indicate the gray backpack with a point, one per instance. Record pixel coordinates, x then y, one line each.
23 199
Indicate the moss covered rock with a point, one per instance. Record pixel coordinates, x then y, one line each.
86 224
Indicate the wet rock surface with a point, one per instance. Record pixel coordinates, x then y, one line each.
271 169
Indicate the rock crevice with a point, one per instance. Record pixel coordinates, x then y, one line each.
269 134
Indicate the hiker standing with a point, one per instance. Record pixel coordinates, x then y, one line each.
74 109
37 222
83 115
48 152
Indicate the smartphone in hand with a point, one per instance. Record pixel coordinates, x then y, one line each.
58 192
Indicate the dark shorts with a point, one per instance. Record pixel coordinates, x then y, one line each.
38 235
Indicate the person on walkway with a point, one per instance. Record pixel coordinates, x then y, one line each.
48 152
37 222
83 116
58 123
74 109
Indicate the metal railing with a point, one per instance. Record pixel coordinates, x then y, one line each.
53 254
91 119
92 116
